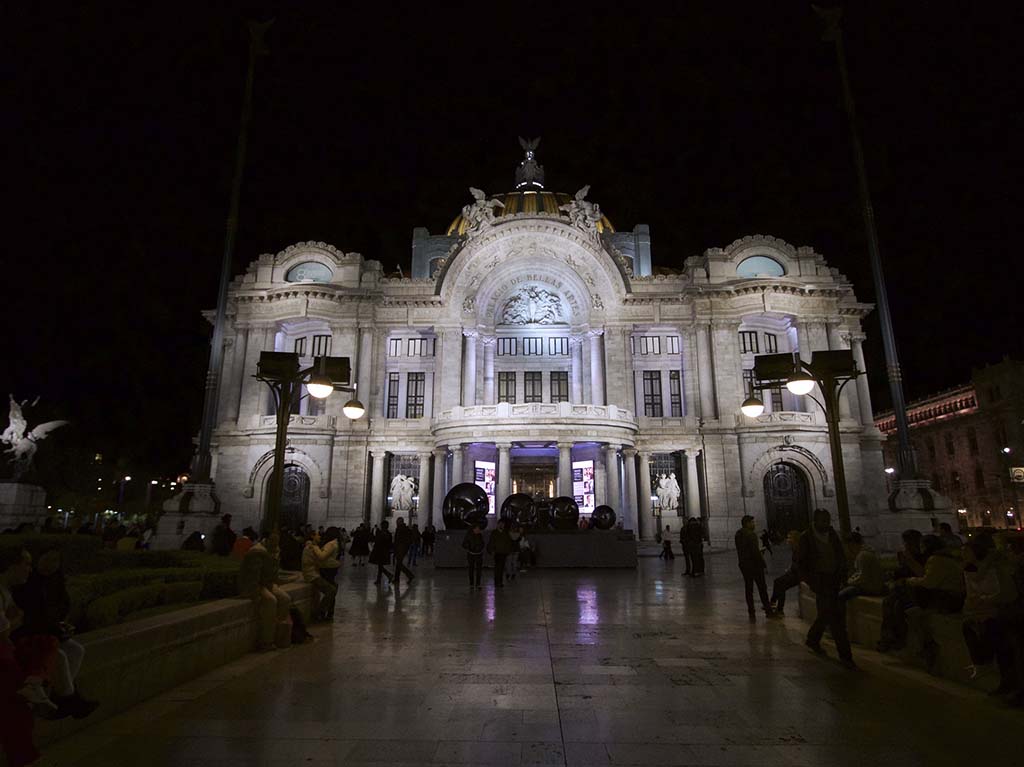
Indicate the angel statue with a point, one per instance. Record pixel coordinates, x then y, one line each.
402 490
583 214
23 446
480 212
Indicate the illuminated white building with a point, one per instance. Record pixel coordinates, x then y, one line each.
533 337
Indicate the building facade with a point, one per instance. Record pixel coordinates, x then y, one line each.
535 349
968 440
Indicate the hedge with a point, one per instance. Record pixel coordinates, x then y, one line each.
79 553
111 609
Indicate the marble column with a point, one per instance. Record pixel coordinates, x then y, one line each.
576 371
233 385
612 495
706 382
596 367
469 369
863 392
489 342
728 371
364 370
565 468
457 454
503 482
692 488
803 339
423 510
629 506
645 518
450 367
377 487
440 459
255 397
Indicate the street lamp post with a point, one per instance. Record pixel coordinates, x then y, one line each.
830 371
280 371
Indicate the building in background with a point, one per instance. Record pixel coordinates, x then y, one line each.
535 349
968 442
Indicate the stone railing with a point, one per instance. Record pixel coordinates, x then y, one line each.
300 421
538 411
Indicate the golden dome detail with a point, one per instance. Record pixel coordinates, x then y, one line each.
527 203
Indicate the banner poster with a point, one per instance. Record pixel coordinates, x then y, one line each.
483 475
583 486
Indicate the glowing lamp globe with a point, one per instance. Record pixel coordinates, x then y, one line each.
800 384
320 386
752 407
353 409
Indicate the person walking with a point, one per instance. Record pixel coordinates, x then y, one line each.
788 579
381 554
752 565
500 545
403 545
315 558
360 548
417 542
685 548
666 545
512 562
429 536
821 562
693 546
473 543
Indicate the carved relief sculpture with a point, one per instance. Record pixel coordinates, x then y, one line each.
481 211
533 306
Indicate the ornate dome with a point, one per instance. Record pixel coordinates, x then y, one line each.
528 202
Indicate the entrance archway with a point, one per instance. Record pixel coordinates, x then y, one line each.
294 497
786 499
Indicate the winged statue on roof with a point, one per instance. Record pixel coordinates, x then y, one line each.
23 444
582 213
481 210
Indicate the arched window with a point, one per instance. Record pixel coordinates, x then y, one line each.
760 266
309 271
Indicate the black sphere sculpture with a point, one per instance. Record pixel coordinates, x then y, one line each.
565 514
603 518
464 506
519 510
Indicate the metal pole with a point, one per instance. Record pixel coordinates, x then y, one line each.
830 395
275 486
906 458
201 462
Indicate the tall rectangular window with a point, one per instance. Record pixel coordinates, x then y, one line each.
507 387
652 393
558 346
300 346
675 393
321 346
416 385
533 386
560 386
650 344
748 342
392 395
533 346
673 344
979 478
771 343
749 382
930 444
950 444
506 346
394 347
972 440
419 347
776 392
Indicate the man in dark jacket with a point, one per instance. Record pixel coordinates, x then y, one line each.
821 561
500 545
692 537
381 554
752 565
223 537
473 543
404 539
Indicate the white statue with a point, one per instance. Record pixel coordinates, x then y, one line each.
23 446
659 490
481 211
402 490
583 214
672 492
533 306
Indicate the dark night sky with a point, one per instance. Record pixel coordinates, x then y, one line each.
719 121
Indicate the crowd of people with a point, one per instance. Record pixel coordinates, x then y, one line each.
981 581
509 545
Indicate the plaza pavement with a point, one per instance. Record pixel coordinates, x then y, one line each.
560 668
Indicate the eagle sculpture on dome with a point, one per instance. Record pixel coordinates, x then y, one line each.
529 172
